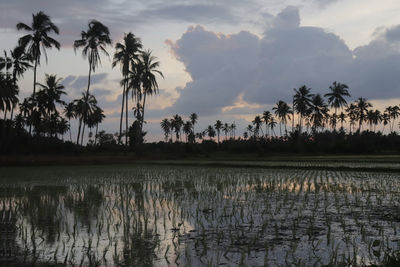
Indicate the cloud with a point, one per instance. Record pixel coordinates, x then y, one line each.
79 82
266 69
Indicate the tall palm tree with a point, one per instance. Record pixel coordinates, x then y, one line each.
177 124
282 111
226 129
210 131
95 118
193 119
38 40
83 107
148 78
69 112
126 55
394 112
319 110
166 127
336 96
187 129
272 124
266 116
218 126
342 118
233 129
257 122
362 106
302 102
93 41
385 120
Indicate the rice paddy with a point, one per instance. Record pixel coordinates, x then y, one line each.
198 216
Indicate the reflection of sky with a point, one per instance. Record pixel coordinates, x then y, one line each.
155 22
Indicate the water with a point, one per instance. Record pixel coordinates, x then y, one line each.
193 216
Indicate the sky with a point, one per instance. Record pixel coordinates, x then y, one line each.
226 59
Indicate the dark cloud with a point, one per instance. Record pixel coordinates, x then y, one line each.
267 69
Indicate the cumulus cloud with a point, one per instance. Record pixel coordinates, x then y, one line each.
266 69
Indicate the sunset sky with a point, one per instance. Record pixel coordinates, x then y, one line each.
227 59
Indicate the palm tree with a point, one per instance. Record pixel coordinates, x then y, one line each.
69 112
210 131
250 129
257 122
266 116
352 114
319 110
233 129
94 119
126 55
193 119
94 40
177 124
302 102
272 124
148 78
362 106
166 127
218 126
393 112
226 129
38 40
282 111
83 107
336 96
385 120
50 94
342 118
187 129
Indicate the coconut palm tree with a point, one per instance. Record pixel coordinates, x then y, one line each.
318 111
50 94
177 124
187 129
38 40
385 120
126 55
69 112
342 118
257 122
336 96
250 129
394 113
93 41
282 111
302 102
94 119
218 126
266 116
233 129
210 131
149 81
272 125
193 119
166 127
226 129
83 107
362 106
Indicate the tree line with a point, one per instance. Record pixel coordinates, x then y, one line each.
308 115
44 113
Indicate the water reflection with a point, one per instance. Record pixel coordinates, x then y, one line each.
161 216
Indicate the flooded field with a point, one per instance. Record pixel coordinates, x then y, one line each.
197 216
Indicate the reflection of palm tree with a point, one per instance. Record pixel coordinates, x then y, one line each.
126 55
93 41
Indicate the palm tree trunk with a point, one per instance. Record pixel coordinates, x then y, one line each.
34 87
70 133
280 128
79 131
12 111
122 112
95 136
142 117
83 132
126 119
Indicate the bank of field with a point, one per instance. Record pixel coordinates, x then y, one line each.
169 215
